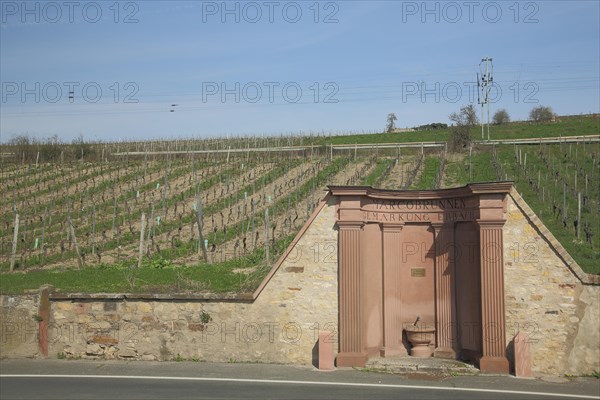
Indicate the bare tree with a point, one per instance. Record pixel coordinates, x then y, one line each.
460 134
391 122
467 116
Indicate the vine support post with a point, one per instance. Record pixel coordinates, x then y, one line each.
80 262
564 201
470 163
200 236
44 233
141 250
14 243
112 230
578 214
267 255
149 236
252 212
94 228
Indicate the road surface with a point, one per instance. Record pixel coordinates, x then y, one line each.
64 379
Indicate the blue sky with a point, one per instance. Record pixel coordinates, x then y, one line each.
252 68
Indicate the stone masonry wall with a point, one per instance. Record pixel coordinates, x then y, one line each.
18 326
280 326
546 299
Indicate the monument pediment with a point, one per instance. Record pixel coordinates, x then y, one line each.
366 204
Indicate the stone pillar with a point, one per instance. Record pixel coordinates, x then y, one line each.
445 298
326 351
492 297
392 324
351 352
44 319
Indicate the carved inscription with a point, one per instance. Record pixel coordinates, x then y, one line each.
449 216
416 205
397 217
403 210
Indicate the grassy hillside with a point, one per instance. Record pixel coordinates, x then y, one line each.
567 126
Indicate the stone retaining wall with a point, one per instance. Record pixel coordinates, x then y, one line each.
19 326
295 303
546 298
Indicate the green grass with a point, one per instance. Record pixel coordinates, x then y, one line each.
457 171
482 170
378 171
158 275
430 168
114 279
568 126
405 137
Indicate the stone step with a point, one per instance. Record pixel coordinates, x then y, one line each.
437 366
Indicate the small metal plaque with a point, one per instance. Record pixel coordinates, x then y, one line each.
417 272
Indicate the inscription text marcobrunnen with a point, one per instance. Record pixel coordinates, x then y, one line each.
435 204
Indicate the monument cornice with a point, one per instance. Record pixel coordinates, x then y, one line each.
463 191
350 224
490 224
392 226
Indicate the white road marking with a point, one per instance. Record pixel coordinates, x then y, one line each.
287 382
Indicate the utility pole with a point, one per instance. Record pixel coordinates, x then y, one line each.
483 97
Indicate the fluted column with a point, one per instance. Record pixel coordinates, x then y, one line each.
445 302
492 297
392 324
351 353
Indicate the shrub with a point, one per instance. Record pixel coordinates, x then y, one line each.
541 114
501 117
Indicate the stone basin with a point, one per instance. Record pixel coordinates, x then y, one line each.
420 336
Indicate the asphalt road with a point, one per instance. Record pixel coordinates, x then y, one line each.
61 379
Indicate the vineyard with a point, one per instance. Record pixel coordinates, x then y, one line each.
213 215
